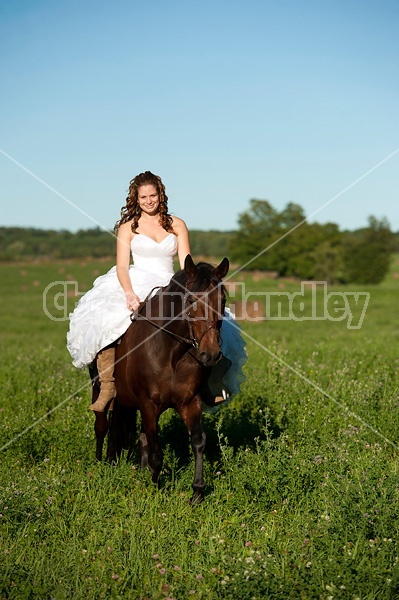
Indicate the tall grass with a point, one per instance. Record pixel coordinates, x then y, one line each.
302 492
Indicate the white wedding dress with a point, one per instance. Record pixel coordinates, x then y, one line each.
101 316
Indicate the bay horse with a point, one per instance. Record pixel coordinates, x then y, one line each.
163 361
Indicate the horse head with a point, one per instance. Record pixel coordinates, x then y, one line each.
205 300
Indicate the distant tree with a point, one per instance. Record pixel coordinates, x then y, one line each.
285 242
211 244
327 262
367 252
314 252
291 217
258 231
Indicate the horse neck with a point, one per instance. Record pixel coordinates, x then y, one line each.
167 310
174 311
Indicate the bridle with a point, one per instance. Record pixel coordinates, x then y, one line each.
191 340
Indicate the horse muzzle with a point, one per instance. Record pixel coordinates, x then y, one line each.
210 360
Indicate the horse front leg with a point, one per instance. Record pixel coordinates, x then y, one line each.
151 454
143 449
191 415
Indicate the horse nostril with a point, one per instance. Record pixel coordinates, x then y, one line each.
205 357
218 356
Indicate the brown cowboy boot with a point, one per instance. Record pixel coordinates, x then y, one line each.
105 366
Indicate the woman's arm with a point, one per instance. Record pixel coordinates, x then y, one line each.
122 265
183 247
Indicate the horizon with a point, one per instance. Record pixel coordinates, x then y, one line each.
97 227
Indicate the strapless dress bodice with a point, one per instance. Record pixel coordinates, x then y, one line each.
151 256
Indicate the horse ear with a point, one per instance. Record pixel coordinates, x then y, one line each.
190 267
221 270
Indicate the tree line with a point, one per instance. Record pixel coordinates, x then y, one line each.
284 242
267 239
18 243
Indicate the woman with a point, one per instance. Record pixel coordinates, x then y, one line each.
146 230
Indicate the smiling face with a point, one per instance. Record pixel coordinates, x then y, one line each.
148 199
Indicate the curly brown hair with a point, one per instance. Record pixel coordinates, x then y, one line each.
132 211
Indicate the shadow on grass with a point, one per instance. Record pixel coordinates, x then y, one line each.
238 424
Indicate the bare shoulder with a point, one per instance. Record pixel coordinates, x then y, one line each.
125 230
179 225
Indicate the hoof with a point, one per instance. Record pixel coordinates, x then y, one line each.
196 498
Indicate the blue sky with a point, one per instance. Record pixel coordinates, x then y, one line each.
227 101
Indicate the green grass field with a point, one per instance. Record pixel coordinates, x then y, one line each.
302 497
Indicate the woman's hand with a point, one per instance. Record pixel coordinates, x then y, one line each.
132 301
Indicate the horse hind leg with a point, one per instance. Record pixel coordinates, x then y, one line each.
101 423
130 436
122 432
101 428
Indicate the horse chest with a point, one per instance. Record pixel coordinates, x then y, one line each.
177 384
184 379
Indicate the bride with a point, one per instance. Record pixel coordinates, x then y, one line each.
103 314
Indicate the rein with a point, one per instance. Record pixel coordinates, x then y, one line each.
191 340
